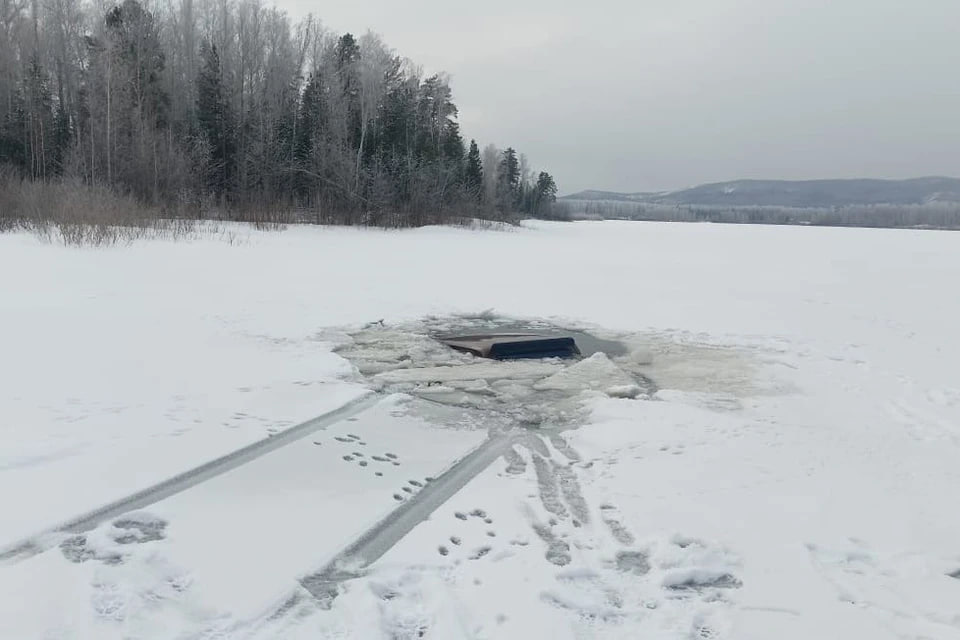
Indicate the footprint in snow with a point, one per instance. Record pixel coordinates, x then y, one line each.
707 580
611 518
558 551
75 550
480 552
139 528
635 562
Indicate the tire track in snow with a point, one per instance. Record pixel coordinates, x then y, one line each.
373 544
190 478
548 487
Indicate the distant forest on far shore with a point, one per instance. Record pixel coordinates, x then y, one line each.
886 216
918 203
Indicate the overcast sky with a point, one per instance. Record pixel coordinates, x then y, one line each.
662 94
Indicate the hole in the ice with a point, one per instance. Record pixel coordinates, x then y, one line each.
586 343
525 388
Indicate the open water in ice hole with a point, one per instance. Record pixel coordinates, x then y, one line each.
494 399
587 344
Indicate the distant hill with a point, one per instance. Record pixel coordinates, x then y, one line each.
793 193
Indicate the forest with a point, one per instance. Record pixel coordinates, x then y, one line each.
927 215
227 109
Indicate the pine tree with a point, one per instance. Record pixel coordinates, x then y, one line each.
136 38
544 194
508 181
310 128
312 116
348 58
473 174
213 118
13 143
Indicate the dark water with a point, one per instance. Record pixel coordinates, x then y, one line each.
587 343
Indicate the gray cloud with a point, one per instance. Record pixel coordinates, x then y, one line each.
661 94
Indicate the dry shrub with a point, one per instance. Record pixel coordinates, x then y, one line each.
76 213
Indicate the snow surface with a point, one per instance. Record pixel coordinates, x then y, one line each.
794 476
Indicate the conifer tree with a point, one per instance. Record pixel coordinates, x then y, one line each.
473 173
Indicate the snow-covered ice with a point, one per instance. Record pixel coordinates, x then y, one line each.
792 474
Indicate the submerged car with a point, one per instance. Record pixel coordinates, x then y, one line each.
514 346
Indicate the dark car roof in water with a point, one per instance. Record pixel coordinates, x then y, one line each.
509 346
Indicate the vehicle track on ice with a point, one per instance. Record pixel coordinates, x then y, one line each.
378 540
181 482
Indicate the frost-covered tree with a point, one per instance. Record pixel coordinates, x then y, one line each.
227 102
473 172
214 119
